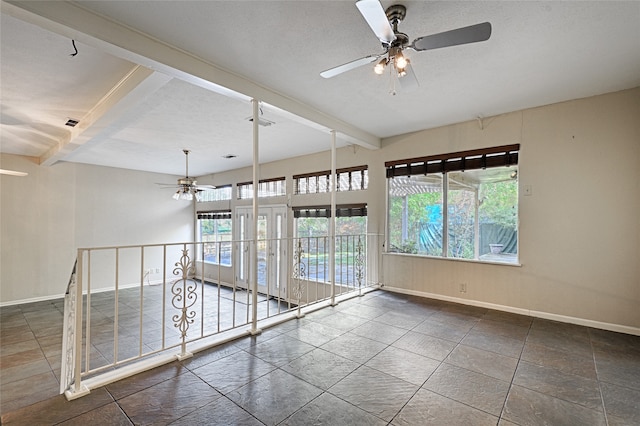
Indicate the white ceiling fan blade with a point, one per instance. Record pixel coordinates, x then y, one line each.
408 81
12 173
374 14
470 34
205 187
332 72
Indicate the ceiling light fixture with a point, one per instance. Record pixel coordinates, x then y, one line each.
261 120
186 193
187 186
396 58
400 61
380 66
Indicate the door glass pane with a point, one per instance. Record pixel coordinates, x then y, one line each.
262 249
242 248
278 247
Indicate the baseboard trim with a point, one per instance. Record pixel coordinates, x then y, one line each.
61 296
31 300
521 311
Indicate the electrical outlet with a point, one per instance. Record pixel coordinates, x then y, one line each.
463 287
157 270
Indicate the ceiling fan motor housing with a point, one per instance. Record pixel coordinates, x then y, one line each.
186 181
396 14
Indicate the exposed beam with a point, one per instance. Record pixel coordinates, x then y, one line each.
136 85
74 21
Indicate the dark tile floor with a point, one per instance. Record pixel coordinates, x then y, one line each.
379 359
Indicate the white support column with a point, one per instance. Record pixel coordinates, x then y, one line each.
254 240
332 221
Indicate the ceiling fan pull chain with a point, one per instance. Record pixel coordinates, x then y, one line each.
392 82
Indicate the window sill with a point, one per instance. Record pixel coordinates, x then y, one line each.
456 259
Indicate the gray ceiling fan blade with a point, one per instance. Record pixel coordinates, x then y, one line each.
332 72
374 14
408 81
470 34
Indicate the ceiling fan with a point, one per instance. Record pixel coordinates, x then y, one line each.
385 26
187 187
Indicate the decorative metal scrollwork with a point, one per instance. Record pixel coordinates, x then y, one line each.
360 262
184 293
299 271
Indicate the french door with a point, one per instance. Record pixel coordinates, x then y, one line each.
271 249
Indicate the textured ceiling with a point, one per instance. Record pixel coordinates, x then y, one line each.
539 53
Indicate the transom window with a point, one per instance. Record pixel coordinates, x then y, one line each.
220 193
462 205
266 188
349 179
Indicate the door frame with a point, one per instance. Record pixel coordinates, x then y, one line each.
273 252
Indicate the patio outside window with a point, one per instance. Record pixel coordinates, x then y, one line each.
312 229
462 205
215 228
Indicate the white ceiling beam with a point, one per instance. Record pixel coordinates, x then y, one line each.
136 85
72 20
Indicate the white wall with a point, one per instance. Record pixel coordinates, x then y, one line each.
579 230
46 216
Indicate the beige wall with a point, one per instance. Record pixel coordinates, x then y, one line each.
46 216
579 230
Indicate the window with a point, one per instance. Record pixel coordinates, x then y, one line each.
220 193
215 234
312 230
266 188
462 205
349 179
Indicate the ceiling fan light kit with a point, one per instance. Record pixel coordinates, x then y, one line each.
384 24
187 186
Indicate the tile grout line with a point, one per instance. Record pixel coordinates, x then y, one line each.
595 366
511 384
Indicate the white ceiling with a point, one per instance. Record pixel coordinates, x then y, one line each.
142 117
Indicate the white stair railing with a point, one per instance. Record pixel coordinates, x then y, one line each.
68 333
132 308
